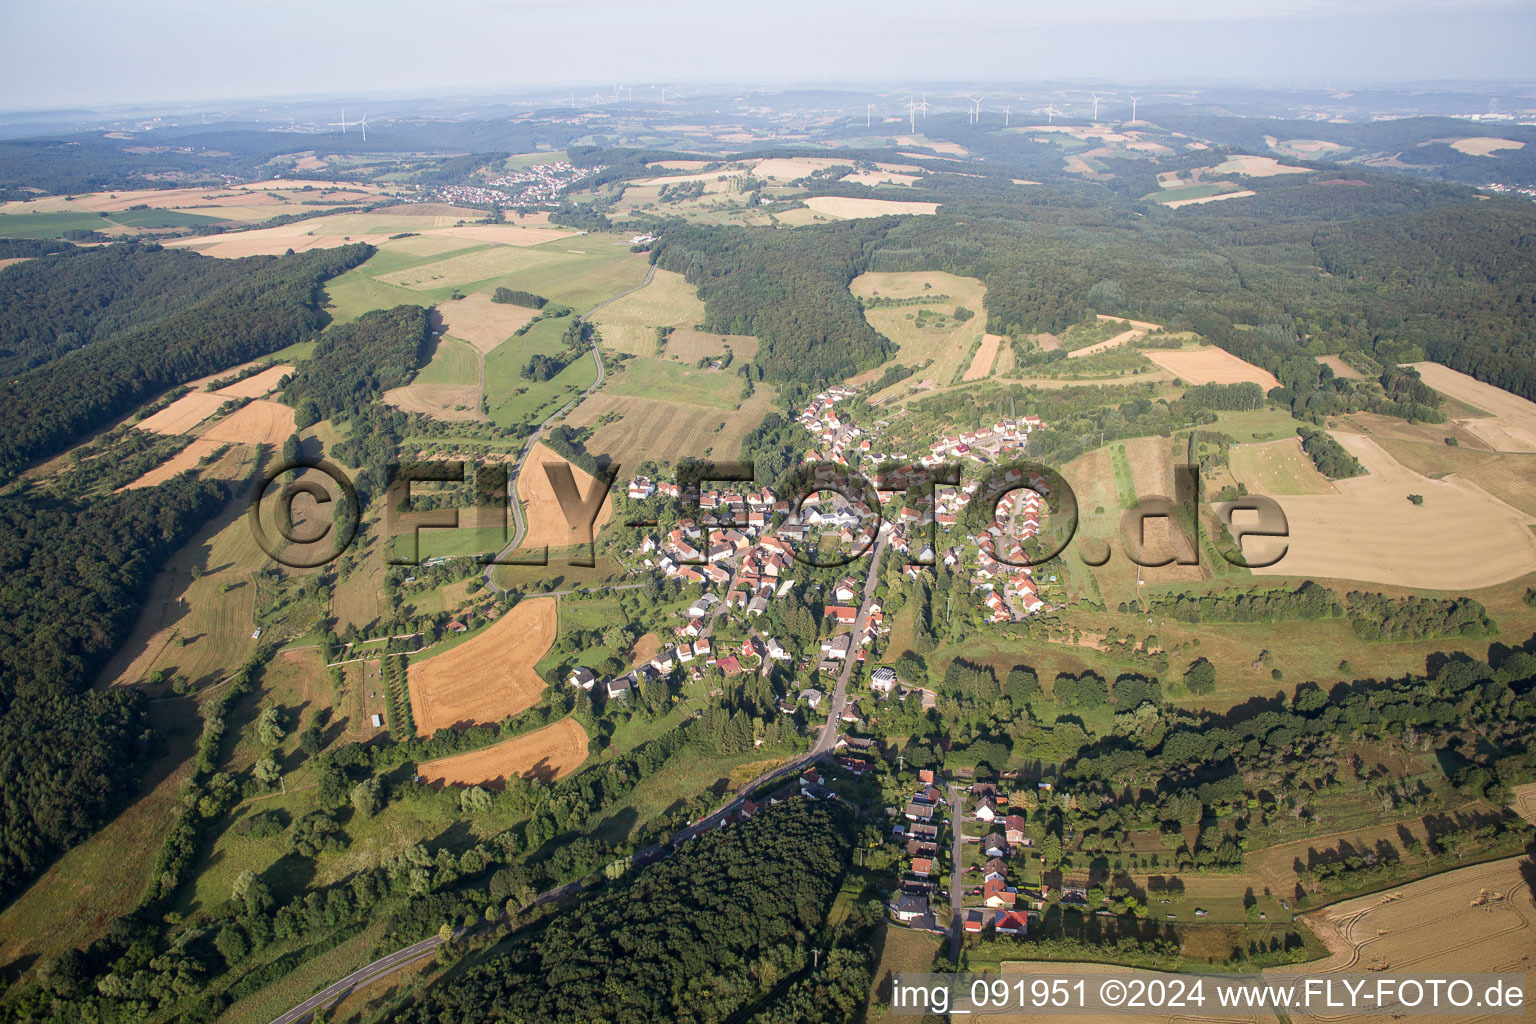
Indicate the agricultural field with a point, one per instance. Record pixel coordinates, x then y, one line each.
666 380
1109 333
546 754
689 346
198 619
924 331
1508 476
182 415
1278 467
1508 423
1210 366
1461 538
512 399
629 325
1192 198
665 431
487 677
546 520
1405 930
447 388
258 384
985 357
257 422
1256 167
480 322
845 208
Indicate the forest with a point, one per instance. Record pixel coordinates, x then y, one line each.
354 363
246 309
700 937
75 575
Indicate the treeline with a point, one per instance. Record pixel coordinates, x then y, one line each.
1331 458
74 577
542 367
518 297
269 304
691 938
1243 396
28 248
789 288
1308 601
1380 618
356 362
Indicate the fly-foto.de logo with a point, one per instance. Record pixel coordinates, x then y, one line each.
306 514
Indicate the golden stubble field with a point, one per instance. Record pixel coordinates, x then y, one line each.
256 385
1510 425
546 754
547 523
1210 366
257 422
949 347
481 322
1461 538
487 677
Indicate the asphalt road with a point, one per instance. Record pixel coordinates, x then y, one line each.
828 737
520 526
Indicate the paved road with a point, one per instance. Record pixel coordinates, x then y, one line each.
828 737
403 958
956 877
520 527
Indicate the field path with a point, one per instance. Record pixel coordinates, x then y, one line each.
520 526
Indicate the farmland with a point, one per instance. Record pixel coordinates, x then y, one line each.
629 325
1210 366
546 520
1462 538
545 754
481 322
1278 467
1508 423
447 388
511 398
488 676
257 422
675 382
665 431
925 331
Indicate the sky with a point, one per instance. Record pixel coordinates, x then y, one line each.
67 53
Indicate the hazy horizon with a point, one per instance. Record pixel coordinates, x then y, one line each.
86 53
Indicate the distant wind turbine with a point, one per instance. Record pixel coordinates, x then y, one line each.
868 107
1134 100
975 108
342 122
1050 114
1095 105
1007 115
912 114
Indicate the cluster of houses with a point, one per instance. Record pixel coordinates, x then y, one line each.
911 904
1001 905
837 436
536 186
988 445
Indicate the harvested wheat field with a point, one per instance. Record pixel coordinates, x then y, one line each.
1210 366
547 524
1473 919
1174 204
183 414
481 322
1460 539
12 261
299 236
1256 167
547 754
506 234
452 403
1278 467
489 676
256 385
258 422
182 461
1510 425
649 428
1151 463
986 355
1484 146
852 209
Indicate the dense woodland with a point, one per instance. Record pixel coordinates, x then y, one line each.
246 309
75 576
701 937
356 362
